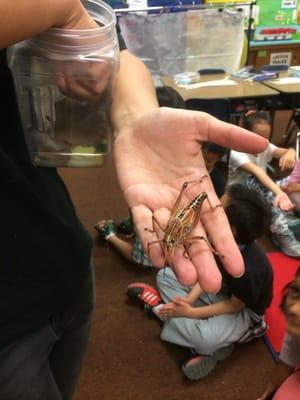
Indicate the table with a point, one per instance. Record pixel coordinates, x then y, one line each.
222 86
288 88
239 89
285 84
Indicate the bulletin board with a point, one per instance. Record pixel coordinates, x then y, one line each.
271 13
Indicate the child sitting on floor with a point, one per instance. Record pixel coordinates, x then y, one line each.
285 377
251 169
210 324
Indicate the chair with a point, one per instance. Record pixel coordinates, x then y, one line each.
293 125
211 71
219 108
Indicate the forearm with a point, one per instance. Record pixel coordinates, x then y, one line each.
134 92
222 307
281 151
23 19
262 177
294 187
194 294
266 181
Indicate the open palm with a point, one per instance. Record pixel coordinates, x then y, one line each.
154 157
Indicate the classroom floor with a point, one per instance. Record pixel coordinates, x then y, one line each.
126 358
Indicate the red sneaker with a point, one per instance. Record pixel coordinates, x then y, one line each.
144 294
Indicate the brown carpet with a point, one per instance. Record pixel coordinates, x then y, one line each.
126 360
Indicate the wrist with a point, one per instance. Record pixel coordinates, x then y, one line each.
128 118
280 193
195 312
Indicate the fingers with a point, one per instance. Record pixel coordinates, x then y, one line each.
228 135
85 80
283 202
218 228
286 163
204 127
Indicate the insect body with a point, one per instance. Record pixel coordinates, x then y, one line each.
180 226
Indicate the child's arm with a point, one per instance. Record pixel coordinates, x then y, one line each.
281 200
291 187
180 308
287 157
194 294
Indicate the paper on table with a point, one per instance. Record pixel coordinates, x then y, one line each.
219 82
286 80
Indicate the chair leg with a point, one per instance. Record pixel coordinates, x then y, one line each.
289 128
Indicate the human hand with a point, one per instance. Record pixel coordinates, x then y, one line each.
283 201
179 307
89 77
88 81
154 156
291 187
287 160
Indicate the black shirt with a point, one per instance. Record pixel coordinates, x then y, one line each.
255 287
44 250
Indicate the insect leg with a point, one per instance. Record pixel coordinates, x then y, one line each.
153 230
175 208
193 239
186 253
151 243
211 206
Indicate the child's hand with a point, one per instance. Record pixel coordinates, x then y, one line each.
283 202
178 308
287 160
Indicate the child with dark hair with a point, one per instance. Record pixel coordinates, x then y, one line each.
210 324
212 154
285 377
251 169
169 97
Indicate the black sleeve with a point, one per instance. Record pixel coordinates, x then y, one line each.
121 39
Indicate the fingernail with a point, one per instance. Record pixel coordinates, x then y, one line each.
239 276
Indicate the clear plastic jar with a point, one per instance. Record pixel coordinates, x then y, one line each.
63 80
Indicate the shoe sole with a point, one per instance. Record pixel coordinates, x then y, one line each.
199 371
203 368
275 241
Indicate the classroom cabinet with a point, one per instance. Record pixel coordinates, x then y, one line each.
261 55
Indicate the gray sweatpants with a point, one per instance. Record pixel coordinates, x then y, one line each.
45 365
205 336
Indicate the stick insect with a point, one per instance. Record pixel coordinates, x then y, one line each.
181 224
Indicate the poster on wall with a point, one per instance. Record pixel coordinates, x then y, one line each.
281 58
